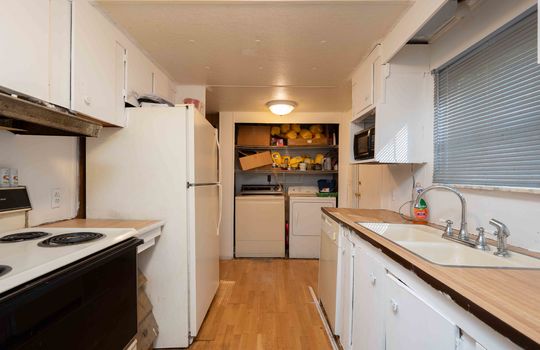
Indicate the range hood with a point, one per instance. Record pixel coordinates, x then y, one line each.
26 115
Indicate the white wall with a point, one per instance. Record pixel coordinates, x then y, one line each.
227 122
417 15
44 163
518 210
191 91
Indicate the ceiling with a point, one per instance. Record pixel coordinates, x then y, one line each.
250 51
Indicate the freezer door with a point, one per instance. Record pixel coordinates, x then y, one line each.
204 266
206 151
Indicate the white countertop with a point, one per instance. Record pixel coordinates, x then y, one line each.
29 261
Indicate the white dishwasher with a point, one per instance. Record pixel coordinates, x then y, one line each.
260 226
329 277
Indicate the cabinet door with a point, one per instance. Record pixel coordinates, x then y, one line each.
347 290
24 44
60 53
329 288
98 69
411 323
368 187
368 300
362 89
367 84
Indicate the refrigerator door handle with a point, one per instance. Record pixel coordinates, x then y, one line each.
192 184
218 145
220 208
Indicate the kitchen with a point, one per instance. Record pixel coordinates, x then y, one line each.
160 183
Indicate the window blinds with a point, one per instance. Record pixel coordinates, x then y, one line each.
487 112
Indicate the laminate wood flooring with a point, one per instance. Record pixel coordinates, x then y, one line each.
264 304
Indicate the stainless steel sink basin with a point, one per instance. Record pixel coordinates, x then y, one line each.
427 243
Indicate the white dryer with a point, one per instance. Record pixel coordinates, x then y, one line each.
305 223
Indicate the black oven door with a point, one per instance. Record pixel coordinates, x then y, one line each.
364 145
90 304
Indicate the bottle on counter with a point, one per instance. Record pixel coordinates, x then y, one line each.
4 177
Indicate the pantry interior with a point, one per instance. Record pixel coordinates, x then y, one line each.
284 174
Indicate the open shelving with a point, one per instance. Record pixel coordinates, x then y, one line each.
292 148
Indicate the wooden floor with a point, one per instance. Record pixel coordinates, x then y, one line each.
264 304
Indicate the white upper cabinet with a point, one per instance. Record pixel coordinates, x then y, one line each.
24 44
60 52
98 66
403 104
366 83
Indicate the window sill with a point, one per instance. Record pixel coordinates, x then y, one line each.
496 188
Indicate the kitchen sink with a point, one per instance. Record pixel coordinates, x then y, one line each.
4 269
427 243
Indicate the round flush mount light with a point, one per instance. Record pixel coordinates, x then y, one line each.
281 107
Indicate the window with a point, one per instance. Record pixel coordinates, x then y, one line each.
487 112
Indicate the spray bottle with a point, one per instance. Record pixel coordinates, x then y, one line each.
420 210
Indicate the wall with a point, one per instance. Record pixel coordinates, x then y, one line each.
227 122
518 210
419 13
44 163
191 91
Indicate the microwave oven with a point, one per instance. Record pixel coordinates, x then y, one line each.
364 144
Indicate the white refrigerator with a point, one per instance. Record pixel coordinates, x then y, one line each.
165 165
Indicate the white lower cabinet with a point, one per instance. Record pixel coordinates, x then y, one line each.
411 323
347 288
368 300
387 307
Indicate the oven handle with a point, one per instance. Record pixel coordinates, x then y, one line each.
74 269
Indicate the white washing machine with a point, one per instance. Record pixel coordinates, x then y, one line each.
305 223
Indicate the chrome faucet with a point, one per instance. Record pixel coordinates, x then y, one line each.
502 233
463 234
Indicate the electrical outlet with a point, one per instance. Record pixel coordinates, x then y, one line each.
56 198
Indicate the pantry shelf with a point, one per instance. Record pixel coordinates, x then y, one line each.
287 172
273 148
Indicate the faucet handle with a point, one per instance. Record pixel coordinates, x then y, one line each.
448 230
481 239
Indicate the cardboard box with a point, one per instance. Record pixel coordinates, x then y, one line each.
303 142
256 160
253 135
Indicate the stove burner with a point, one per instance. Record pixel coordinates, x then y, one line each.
70 239
23 236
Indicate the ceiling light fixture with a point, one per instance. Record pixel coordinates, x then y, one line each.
281 107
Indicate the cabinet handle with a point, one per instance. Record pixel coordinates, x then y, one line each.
372 278
394 305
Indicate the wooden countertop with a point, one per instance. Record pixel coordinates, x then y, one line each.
506 299
141 226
